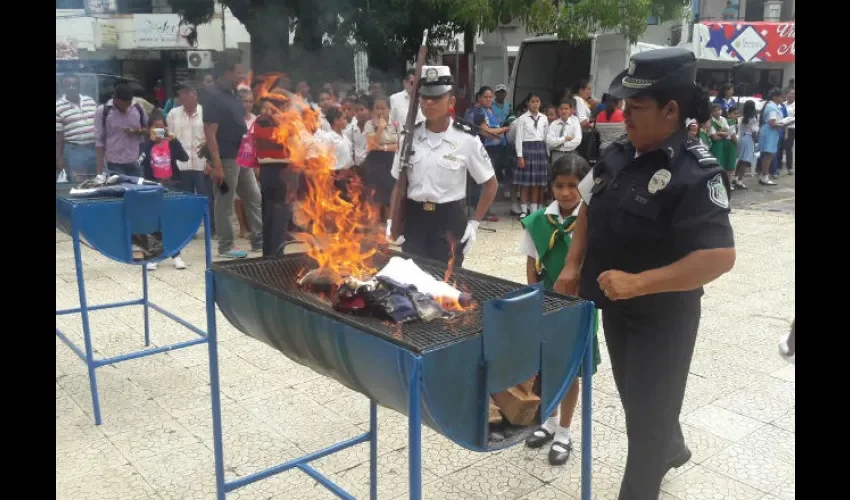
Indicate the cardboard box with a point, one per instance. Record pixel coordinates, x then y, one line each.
495 415
519 406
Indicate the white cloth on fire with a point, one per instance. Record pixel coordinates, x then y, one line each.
407 272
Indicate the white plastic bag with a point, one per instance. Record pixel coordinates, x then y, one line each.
62 177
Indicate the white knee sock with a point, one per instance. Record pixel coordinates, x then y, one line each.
534 207
524 207
562 435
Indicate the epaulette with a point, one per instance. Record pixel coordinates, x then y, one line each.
702 155
463 127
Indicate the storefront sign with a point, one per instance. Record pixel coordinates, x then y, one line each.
107 33
745 42
164 31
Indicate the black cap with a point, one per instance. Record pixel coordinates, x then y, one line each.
660 69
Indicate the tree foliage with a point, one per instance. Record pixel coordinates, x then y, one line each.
570 19
391 30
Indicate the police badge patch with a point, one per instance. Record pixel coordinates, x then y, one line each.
717 191
484 153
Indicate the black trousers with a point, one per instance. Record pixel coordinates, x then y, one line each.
650 357
276 207
788 149
430 234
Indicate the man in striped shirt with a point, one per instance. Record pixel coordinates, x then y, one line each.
75 151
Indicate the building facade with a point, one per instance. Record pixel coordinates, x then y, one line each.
141 39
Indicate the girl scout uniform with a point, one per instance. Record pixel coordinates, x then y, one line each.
436 220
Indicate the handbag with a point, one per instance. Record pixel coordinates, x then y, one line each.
247 155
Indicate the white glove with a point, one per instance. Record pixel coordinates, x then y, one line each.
399 241
469 235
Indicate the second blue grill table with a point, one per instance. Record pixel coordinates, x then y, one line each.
439 374
108 224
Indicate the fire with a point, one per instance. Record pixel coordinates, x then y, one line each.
341 240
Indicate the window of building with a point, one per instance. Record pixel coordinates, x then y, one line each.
652 20
135 6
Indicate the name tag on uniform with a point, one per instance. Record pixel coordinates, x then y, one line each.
585 187
450 157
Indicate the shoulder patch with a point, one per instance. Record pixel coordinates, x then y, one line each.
703 156
717 191
463 127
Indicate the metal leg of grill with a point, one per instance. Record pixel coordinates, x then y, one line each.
145 305
414 429
586 417
84 313
87 354
215 387
373 450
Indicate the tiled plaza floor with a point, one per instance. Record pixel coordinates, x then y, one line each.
156 438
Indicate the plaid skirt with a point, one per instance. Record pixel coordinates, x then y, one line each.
536 171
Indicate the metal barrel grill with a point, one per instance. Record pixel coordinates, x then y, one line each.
108 223
515 332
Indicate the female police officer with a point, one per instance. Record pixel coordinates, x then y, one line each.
443 152
654 230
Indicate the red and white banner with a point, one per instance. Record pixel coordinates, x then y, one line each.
745 41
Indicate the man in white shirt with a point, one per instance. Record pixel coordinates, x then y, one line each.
355 132
400 102
186 122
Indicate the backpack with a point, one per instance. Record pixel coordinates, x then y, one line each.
107 108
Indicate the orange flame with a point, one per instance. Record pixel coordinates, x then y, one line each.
341 240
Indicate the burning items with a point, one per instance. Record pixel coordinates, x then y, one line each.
401 292
113 185
387 298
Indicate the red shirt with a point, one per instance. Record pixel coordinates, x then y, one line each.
616 116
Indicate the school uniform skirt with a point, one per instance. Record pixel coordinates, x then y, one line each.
536 171
747 149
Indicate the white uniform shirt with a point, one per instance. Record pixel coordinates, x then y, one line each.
791 113
399 106
358 140
530 129
559 130
339 146
582 109
439 168
526 245
189 130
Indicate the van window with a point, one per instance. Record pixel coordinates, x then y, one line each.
549 68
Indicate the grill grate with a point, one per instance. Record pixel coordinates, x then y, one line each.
63 194
278 276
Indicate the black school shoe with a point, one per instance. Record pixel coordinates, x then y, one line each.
559 453
538 438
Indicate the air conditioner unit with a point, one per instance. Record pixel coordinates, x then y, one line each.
199 59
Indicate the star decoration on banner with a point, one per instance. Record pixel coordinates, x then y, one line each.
717 39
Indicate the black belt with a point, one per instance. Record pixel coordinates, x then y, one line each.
428 206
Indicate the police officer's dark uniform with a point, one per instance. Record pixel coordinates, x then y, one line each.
437 176
647 212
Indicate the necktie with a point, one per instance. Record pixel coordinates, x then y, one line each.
563 127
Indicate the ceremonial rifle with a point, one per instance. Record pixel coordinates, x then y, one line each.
397 204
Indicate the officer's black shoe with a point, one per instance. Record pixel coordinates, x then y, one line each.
538 438
681 459
559 453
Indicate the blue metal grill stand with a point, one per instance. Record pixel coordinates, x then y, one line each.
414 366
107 224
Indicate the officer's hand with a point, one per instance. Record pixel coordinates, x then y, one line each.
567 282
619 285
469 235
389 237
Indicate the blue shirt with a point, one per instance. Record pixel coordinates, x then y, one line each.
501 111
479 116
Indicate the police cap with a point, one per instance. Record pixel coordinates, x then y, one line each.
660 69
435 81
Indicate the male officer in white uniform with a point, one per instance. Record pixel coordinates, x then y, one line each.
444 152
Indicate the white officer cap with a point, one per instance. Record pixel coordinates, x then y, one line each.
435 81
